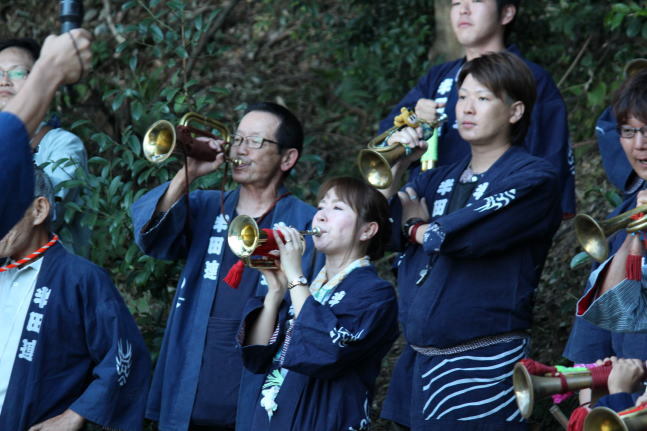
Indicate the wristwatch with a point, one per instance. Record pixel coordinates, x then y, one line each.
301 280
406 227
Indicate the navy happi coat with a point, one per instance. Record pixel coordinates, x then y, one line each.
476 272
80 349
17 173
547 135
330 381
177 373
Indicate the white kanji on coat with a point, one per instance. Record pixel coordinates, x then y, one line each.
480 189
124 361
342 336
221 223
211 269
498 201
34 322
445 86
439 100
215 245
439 207
41 296
27 350
336 298
446 187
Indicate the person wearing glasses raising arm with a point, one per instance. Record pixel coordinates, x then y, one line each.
63 60
56 150
195 386
615 298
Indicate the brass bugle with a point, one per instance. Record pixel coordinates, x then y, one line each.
529 388
592 235
605 419
163 139
376 160
244 237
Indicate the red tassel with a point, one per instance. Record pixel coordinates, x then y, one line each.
537 368
235 274
576 421
633 267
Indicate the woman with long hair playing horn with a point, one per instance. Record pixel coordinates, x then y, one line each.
312 357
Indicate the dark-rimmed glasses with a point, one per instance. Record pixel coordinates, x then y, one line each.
629 132
255 142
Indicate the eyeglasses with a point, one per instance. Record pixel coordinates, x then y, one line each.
629 132
14 74
255 142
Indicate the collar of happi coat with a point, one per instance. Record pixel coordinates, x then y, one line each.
321 288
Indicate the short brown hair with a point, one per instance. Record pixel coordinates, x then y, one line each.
368 204
631 99
505 74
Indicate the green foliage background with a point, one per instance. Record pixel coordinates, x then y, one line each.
340 65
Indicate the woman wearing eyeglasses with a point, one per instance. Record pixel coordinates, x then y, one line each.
312 349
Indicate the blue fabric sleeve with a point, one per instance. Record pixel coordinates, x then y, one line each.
163 237
116 396
521 208
548 138
623 308
587 343
17 173
614 160
616 402
257 358
328 339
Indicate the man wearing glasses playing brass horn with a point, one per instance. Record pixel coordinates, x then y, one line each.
195 386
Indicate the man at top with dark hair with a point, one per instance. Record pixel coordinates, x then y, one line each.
195 386
59 63
474 238
481 27
58 151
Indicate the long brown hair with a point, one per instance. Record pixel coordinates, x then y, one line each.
368 204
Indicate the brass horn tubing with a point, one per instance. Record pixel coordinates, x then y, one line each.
378 161
214 124
151 146
621 221
246 223
585 224
528 388
206 121
605 419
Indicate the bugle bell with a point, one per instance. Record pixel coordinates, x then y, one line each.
605 419
163 139
592 235
246 240
376 160
529 388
